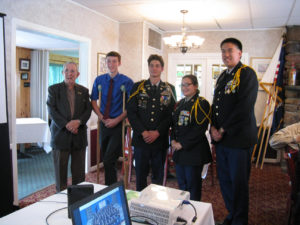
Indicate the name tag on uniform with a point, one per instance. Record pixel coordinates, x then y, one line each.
142 100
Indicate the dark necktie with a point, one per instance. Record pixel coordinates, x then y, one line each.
154 88
108 100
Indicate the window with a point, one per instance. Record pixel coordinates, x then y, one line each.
186 69
216 71
55 74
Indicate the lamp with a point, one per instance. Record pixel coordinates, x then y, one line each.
183 42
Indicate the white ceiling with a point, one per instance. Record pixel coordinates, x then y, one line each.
203 14
165 14
35 40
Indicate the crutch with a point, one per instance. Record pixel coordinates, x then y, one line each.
98 136
125 159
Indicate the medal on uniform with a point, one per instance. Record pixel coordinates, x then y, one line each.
230 87
165 97
183 119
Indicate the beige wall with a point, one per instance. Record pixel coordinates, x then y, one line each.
131 39
257 43
133 46
66 17
149 51
131 49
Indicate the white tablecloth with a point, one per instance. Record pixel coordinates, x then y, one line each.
36 213
33 130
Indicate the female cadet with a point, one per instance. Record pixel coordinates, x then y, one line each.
191 149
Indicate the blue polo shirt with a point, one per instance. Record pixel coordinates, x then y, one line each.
117 94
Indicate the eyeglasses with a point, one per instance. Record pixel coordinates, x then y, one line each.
185 85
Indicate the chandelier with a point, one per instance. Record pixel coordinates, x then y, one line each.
183 42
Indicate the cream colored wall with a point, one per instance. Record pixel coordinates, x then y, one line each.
130 39
134 49
64 16
149 51
257 43
131 49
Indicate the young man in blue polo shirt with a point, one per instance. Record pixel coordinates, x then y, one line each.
111 115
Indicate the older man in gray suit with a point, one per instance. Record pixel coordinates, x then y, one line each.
69 109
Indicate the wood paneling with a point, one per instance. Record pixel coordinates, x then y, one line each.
61 59
22 93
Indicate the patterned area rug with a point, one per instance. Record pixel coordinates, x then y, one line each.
35 171
268 194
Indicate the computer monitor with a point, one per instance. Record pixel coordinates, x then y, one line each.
108 206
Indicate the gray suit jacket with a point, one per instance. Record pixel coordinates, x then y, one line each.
60 115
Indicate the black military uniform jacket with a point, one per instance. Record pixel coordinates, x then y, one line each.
234 109
151 110
191 135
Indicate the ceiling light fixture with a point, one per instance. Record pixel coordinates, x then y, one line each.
183 42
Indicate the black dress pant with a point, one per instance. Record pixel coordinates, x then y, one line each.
111 149
144 158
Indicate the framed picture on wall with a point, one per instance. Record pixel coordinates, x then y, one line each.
25 64
24 76
26 84
260 65
101 64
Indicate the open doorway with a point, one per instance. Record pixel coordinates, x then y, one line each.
54 37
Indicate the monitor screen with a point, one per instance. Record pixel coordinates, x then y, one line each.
108 207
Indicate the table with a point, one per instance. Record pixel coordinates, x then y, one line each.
33 130
36 213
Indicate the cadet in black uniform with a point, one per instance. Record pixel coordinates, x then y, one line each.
149 111
191 149
234 130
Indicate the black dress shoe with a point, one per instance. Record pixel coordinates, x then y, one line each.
226 222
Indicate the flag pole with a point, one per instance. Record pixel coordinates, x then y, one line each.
269 131
259 131
265 120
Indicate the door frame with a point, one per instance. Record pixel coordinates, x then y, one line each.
85 69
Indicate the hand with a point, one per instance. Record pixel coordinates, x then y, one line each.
110 123
73 125
150 136
215 134
297 139
100 117
176 145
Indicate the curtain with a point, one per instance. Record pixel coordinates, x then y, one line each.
39 89
55 73
39 83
